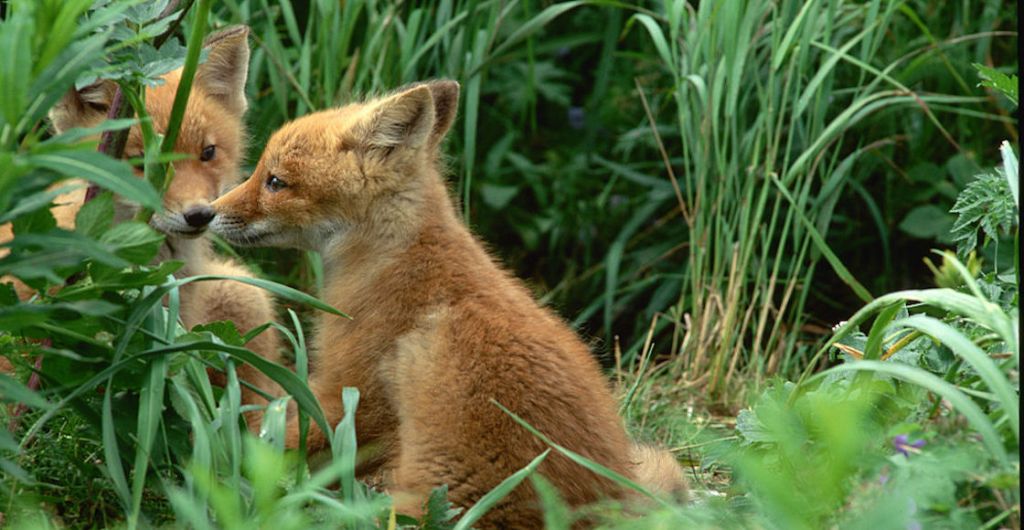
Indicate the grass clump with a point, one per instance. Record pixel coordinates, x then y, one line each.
711 189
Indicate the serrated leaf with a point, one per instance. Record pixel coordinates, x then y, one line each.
224 330
751 428
154 63
985 204
145 12
115 278
37 222
96 216
134 241
992 78
438 512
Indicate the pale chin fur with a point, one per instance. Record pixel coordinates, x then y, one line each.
173 224
237 232
264 233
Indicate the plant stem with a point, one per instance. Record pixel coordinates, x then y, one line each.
112 142
159 179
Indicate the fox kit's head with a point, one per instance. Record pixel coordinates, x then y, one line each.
211 132
363 166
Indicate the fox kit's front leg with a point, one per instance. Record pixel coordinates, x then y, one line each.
248 307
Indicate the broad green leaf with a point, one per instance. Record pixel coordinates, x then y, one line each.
133 241
95 217
927 222
110 174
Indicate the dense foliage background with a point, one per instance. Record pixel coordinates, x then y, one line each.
718 194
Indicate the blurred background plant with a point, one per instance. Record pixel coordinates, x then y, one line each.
703 188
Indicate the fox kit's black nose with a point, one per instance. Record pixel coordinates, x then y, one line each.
199 216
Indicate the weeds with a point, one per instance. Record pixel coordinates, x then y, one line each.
669 175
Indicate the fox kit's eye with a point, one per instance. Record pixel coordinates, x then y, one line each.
275 184
208 153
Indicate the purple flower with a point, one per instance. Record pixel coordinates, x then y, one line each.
577 118
902 444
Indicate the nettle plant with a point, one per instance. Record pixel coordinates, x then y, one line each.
99 359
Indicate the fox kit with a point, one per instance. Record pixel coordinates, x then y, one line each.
438 331
213 134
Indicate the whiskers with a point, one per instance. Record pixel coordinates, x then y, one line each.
238 232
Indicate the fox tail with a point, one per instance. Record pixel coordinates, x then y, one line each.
658 471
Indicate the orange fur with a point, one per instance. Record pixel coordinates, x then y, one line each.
439 330
213 117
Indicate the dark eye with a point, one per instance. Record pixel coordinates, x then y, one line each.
208 153
275 184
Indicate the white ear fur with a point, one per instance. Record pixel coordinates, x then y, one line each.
403 120
223 74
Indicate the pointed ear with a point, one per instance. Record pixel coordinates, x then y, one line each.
223 75
405 119
83 108
445 93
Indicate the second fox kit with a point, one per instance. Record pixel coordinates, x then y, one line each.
213 134
438 329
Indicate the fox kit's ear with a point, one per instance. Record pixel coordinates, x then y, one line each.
223 74
82 108
445 93
405 119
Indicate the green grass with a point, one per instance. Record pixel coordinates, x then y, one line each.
707 189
